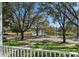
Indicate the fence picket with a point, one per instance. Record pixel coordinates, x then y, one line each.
9 51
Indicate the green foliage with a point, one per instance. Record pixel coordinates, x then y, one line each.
14 43
60 48
45 41
56 46
44 44
5 40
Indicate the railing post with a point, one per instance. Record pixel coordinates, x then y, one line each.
24 53
59 54
64 54
38 53
42 53
75 55
34 53
9 52
54 54
69 55
31 53
1 51
46 53
18 52
50 54
12 52
4 51
1 41
27 53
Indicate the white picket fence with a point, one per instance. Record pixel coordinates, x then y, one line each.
10 51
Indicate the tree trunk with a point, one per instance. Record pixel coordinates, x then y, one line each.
17 33
22 35
37 31
64 38
17 36
77 32
64 30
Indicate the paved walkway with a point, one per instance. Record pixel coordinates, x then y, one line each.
50 39
56 39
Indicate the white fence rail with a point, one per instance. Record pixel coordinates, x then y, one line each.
9 51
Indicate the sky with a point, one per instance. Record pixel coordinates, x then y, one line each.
49 18
51 22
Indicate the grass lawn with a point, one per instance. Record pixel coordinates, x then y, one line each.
67 37
44 44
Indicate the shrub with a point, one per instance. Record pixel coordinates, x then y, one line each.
5 40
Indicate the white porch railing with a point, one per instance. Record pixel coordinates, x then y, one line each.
10 51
